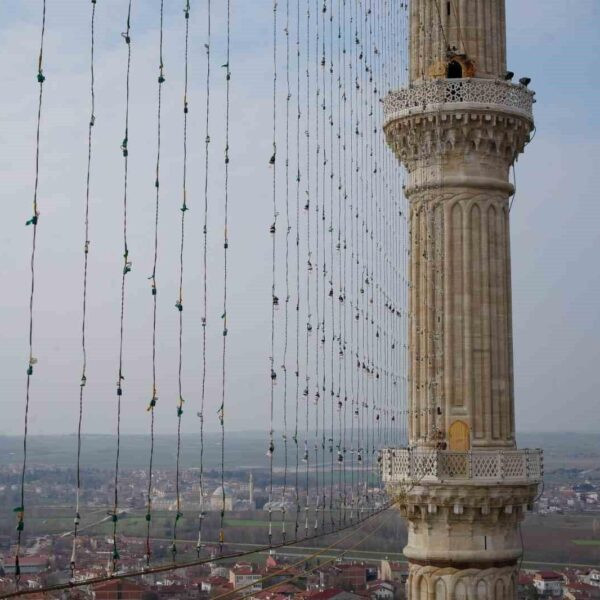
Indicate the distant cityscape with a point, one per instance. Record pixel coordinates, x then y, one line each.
561 536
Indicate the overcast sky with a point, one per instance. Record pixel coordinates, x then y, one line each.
555 217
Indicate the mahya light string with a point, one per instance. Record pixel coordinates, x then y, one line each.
20 510
179 302
221 411
86 246
126 269
274 297
154 397
201 512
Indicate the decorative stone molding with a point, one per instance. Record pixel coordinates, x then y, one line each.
491 94
421 465
424 139
447 583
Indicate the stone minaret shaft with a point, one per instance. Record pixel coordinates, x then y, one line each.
457 128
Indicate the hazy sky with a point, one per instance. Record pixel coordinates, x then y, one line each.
555 217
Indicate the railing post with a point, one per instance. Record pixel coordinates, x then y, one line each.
501 464
470 464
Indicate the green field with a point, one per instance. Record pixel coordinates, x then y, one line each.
586 542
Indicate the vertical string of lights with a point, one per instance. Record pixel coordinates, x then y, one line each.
297 370
20 510
201 511
317 264
342 257
288 230
333 353
154 398
324 266
86 246
126 269
361 121
354 413
274 298
179 302
221 411
309 269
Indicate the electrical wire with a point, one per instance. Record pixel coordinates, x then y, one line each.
207 46
86 247
179 302
20 510
126 269
154 397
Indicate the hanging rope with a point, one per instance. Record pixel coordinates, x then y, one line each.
221 411
20 510
179 302
126 269
154 398
201 511
86 246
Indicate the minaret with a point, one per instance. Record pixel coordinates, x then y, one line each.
251 488
457 129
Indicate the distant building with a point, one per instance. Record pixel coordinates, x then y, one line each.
381 590
121 589
549 584
221 498
27 564
243 575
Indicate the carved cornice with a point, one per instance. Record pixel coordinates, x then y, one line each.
424 138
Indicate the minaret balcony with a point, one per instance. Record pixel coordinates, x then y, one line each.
456 94
423 465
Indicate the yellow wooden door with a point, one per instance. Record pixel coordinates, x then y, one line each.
459 439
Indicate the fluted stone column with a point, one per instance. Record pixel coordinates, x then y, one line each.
457 129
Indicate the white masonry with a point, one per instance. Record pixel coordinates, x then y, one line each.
457 128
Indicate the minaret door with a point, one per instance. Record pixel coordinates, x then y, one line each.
459 437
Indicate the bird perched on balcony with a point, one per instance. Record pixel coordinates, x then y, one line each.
525 81
508 76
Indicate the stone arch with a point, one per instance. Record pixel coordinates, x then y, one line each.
499 589
460 591
440 590
454 70
482 590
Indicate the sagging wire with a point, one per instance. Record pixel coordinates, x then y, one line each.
86 246
153 288
126 269
20 510
179 303
116 576
207 45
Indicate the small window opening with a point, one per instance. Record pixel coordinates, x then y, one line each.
448 8
454 70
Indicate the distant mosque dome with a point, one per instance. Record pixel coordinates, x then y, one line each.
218 493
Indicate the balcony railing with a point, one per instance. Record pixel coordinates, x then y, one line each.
490 93
486 466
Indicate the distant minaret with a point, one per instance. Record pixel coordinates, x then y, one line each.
251 488
457 128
